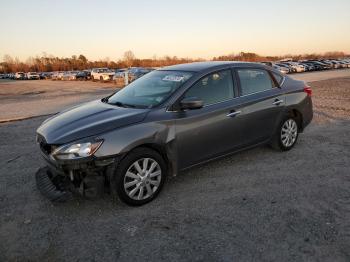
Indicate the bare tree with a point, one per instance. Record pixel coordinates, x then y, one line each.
129 58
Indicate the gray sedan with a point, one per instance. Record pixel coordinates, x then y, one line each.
167 121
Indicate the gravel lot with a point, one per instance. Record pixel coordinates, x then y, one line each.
322 75
258 205
28 98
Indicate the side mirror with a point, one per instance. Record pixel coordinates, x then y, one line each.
191 103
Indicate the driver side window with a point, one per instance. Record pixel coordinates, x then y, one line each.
213 88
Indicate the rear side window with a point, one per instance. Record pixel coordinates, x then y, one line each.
213 88
254 81
277 77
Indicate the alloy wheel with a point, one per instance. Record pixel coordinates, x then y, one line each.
289 132
142 179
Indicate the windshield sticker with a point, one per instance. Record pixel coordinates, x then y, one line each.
173 78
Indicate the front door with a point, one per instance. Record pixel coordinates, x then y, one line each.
213 130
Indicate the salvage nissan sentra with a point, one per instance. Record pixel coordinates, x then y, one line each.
167 121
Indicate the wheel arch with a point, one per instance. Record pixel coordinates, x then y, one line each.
160 149
295 113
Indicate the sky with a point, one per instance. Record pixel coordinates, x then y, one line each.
183 28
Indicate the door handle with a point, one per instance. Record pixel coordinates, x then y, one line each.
277 102
233 113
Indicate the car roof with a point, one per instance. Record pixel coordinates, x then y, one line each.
201 66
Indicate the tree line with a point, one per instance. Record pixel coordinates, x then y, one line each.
48 63
253 57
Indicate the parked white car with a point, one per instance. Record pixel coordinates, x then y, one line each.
19 76
102 74
296 66
32 76
69 75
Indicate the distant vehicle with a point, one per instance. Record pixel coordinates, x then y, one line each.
69 75
308 67
2 76
9 76
324 66
87 73
41 75
61 75
283 70
32 76
290 69
121 70
314 67
268 63
136 72
102 74
296 66
45 75
119 76
65 75
338 63
54 75
331 63
81 75
19 76
345 63
133 73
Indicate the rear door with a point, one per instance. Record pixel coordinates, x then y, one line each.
261 103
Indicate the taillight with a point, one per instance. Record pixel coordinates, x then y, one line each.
308 90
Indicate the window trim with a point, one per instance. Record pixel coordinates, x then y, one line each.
273 77
254 68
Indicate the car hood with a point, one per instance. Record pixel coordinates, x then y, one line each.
89 119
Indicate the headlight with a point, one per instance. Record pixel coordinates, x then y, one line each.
77 150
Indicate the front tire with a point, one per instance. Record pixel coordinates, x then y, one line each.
286 135
139 177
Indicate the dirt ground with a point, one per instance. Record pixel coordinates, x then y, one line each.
27 98
330 101
258 205
322 75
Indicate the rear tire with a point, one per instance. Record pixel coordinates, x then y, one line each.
286 135
139 177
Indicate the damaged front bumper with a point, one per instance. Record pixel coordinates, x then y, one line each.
50 189
61 179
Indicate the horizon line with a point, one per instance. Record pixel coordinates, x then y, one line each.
159 57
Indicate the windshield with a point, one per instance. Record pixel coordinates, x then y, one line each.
150 90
